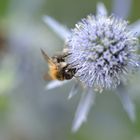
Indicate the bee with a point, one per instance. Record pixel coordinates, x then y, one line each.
59 69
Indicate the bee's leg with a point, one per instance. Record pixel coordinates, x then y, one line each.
79 68
66 54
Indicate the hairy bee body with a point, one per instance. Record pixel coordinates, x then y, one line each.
58 67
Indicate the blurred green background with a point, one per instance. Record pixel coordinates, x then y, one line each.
27 110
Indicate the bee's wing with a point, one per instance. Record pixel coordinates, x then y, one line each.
47 77
47 58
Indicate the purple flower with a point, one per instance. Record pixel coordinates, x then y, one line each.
103 48
104 51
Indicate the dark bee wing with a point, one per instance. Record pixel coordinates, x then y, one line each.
47 58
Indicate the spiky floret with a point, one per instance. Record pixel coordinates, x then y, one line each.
103 49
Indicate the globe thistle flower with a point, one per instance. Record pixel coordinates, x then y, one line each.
103 49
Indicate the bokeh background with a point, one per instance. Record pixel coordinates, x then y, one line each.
27 110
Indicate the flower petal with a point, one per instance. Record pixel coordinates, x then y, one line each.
135 27
58 28
122 7
127 103
84 106
54 84
101 9
74 90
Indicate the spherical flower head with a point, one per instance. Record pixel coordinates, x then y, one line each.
103 50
